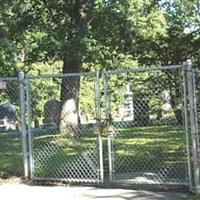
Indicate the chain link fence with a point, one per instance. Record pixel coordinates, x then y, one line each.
11 162
129 127
148 144
63 141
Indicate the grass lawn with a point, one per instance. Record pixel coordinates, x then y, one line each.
10 155
157 143
157 150
57 156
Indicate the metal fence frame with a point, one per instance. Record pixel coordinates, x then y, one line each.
108 109
190 117
28 138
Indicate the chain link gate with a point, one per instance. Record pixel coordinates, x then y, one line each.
63 141
150 126
147 138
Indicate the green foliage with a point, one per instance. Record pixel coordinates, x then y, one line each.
87 98
42 90
181 39
121 34
145 31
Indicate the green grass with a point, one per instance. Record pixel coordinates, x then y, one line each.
10 156
150 147
59 156
156 150
146 149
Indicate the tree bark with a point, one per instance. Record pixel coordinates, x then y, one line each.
72 62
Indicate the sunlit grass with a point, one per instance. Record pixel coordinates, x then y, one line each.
10 156
150 149
137 148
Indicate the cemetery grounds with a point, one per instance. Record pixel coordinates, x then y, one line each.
142 147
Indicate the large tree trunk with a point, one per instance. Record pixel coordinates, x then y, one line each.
74 52
69 117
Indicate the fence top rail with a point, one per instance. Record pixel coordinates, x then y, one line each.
59 75
9 79
93 74
142 69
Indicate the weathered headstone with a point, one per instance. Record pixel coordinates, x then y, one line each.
52 110
8 116
141 111
126 110
128 104
2 85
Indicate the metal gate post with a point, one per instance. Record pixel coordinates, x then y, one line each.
110 135
98 118
23 125
186 121
193 124
30 138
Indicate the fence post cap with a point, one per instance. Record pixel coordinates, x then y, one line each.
189 61
21 74
189 64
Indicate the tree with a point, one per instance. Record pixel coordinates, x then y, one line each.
47 31
74 52
89 35
180 42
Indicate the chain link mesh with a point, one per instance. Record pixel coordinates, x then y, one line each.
62 129
148 145
144 108
196 75
10 136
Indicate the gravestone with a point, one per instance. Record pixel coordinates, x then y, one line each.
126 109
8 116
52 110
128 104
141 111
